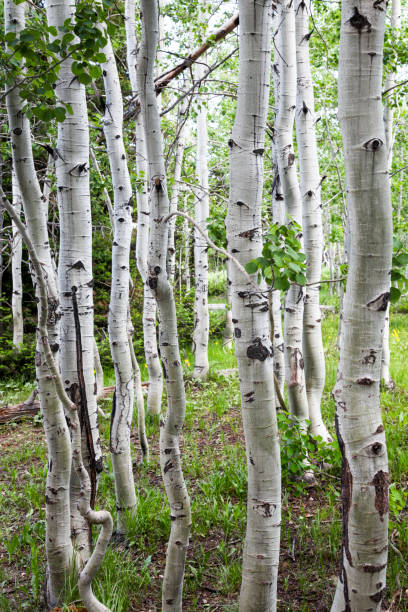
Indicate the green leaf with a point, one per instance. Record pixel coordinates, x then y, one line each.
59 113
84 78
251 267
395 294
100 58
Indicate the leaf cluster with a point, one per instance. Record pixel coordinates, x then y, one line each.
282 261
399 264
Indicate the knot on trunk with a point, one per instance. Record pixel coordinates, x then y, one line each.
257 350
359 21
373 145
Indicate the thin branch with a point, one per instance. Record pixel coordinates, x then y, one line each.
395 86
214 246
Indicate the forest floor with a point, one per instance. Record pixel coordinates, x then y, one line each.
214 466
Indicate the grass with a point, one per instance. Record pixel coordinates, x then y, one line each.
215 470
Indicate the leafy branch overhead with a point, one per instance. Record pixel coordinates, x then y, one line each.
282 261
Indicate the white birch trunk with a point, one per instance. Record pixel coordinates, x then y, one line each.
201 213
357 392
389 140
58 544
99 378
178 164
312 221
59 549
75 270
228 338
155 390
17 283
122 410
186 244
250 313
158 281
293 320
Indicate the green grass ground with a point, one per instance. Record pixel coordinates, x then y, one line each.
214 466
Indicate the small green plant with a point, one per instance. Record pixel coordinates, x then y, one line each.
399 263
282 261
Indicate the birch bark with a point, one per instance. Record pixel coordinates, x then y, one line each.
201 213
155 389
250 313
58 544
122 410
312 221
178 164
293 319
159 284
16 255
357 391
389 141
75 269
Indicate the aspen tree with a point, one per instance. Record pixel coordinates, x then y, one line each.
102 517
250 312
201 213
178 165
122 408
359 425
310 188
155 389
17 283
285 40
58 544
389 140
159 284
75 269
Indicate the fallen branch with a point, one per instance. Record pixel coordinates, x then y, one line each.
163 80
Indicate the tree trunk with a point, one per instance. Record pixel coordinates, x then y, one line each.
122 411
228 338
186 243
75 271
58 544
17 283
357 392
155 390
158 282
178 164
310 188
293 320
201 213
250 313
389 141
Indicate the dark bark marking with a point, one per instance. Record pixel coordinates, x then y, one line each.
373 569
379 429
252 462
248 233
346 492
258 151
152 282
359 21
235 320
380 303
370 358
381 483
265 509
167 466
83 403
257 350
377 597
365 381
237 332
376 448
373 145
291 159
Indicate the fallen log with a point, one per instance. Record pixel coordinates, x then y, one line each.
31 406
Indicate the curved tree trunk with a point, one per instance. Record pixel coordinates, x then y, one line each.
155 390
158 282
357 392
250 313
201 213
58 544
293 320
310 185
75 270
17 283
122 411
